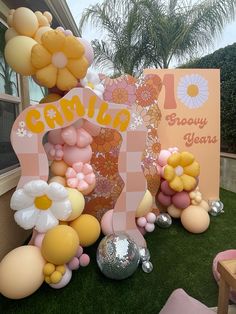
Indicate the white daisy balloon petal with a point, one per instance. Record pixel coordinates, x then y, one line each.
193 91
36 188
61 210
56 191
20 200
93 82
46 220
27 217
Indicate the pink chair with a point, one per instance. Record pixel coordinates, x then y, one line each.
180 302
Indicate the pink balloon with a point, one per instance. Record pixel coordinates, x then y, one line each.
142 230
106 223
64 281
163 156
73 154
73 264
181 200
79 251
89 54
84 260
166 189
69 135
151 218
165 200
91 128
54 137
39 239
141 221
83 138
149 227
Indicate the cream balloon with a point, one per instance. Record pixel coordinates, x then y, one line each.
145 205
21 272
77 203
205 205
10 33
25 22
40 32
18 54
195 219
174 212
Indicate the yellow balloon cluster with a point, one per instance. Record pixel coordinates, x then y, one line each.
34 48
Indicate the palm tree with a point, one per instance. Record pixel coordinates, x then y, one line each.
141 33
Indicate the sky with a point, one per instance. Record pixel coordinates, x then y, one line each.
228 36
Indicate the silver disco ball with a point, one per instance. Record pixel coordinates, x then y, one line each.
118 256
163 220
216 208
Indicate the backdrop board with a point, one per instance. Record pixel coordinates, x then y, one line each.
190 105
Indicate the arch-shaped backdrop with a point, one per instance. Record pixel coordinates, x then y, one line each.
135 121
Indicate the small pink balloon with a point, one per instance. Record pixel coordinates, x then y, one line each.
68 32
151 218
84 260
73 154
165 200
48 148
141 221
91 128
163 156
74 263
69 135
64 281
89 54
166 189
149 227
79 251
39 239
83 138
54 137
181 200
106 223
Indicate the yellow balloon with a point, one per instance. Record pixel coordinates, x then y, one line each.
10 33
40 32
77 203
21 272
145 205
88 229
25 22
60 244
18 54
58 168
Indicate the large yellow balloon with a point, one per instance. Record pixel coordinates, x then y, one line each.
88 229
60 244
21 272
50 98
25 22
18 54
145 205
77 203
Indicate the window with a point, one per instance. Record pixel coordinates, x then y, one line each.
36 92
9 109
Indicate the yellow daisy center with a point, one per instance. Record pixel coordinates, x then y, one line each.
192 90
42 202
59 60
91 85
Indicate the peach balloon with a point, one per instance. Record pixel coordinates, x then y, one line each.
58 179
25 22
107 222
58 168
195 219
205 205
21 272
50 98
40 32
174 212
10 33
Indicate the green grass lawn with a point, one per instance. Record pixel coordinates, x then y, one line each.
180 260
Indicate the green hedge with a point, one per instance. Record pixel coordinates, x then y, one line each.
225 60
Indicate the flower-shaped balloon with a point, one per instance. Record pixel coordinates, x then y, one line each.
195 196
81 176
93 82
181 171
54 152
40 205
59 60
